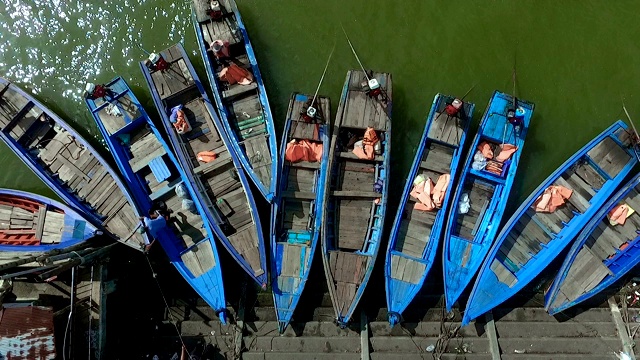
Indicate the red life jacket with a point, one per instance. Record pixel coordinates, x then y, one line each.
450 110
161 64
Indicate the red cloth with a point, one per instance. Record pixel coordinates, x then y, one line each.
366 151
506 150
303 150
422 192
181 124
206 156
618 215
440 190
552 197
485 148
233 74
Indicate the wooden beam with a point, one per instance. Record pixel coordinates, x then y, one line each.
364 337
623 333
492 335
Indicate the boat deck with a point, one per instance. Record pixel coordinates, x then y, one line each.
30 224
218 179
355 210
243 104
589 267
66 159
536 229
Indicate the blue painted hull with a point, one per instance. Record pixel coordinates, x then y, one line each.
489 290
76 230
208 285
288 288
73 198
464 251
400 293
374 224
619 264
184 158
226 113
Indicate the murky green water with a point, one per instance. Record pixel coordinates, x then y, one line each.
574 59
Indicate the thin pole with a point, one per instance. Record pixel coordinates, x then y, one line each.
326 66
354 52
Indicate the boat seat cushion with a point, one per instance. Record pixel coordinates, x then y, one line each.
159 169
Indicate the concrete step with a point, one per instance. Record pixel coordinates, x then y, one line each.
568 329
269 314
539 314
308 344
526 356
407 344
310 328
428 356
299 356
202 313
589 345
425 329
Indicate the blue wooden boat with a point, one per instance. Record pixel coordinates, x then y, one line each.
67 164
356 190
414 237
483 190
34 223
532 239
244 109
203 153
602 253
158 183
297 212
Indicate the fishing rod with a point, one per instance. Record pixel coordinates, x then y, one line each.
355 54
311 111
636 137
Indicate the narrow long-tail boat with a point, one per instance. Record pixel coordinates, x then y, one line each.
417 228
35 223
203 153
238 89
604 251
159 184
485 183
67 164
297 212
356 188
551 217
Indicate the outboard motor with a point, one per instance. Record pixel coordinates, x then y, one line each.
372 87
156 62
215 11
453 108
94 92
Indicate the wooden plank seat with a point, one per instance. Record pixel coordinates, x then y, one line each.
352 156
236 90
302 195
356 194
165 189
221 160
304 164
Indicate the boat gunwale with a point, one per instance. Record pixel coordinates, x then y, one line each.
187 169
69 197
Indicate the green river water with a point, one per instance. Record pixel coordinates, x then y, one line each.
574 60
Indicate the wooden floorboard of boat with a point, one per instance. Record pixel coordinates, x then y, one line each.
446 129
407 270
609 156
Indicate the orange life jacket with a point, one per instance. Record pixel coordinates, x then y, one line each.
233 74
206 156
368 142
552 197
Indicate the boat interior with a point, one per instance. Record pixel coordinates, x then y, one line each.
296 222
355 210
414 233
243 107
216 175
25 222
535 230
151 166
68 161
